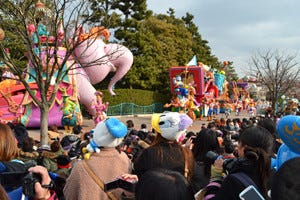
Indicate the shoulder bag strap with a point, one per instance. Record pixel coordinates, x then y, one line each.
244 179
97 180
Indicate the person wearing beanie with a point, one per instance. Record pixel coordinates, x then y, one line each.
104 165
48 157
63 163
165 152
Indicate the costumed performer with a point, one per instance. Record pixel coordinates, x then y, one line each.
69 119
99 107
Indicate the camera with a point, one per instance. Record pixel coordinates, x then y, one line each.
212 155
227 164
28 184
12 179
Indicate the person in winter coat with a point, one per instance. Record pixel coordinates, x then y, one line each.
105 164
254 150
166 152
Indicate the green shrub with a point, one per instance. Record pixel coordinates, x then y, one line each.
136 96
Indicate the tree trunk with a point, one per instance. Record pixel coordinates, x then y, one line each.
44 124
273 106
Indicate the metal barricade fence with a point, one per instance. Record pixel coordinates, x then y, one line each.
133 109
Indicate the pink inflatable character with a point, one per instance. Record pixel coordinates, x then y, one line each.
99 107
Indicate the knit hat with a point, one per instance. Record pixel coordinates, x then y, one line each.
63 161
107 133
171 125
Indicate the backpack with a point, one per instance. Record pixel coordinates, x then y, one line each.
211 189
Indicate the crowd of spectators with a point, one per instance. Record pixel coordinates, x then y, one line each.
164 162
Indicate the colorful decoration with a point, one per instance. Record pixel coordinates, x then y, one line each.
252 108
69 86
101 58
197 83
219 81
78 83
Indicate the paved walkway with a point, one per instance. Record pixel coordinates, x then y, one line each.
88 124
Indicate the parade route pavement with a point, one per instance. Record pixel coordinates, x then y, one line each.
88 124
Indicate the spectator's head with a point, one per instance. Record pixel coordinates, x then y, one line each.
212 125
228 121
8 144
77 129
268 124
286 181
169 185
255 139
143 126
190 134
63 161
171 125
228 146
108 133
28 144
130 124
55 146
68 141
20 133
206 140
256 144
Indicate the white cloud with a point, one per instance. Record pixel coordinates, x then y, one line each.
235 29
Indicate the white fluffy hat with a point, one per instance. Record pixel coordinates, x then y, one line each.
171 125
108 133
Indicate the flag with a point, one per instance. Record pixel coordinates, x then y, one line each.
193 61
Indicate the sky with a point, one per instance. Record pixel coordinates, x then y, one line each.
237 29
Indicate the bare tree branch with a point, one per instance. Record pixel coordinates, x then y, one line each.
277 71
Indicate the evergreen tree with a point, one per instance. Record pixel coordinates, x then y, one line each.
231 74
104 14
160 42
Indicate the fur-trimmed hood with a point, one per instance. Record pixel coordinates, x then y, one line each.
52 155
33 154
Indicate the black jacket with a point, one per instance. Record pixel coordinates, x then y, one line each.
231 186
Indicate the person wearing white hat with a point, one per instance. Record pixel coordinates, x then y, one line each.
166 152
105 164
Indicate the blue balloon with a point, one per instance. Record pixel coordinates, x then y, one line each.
288 129
284 154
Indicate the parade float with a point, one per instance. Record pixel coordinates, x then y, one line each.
211 93
16 105
195 88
